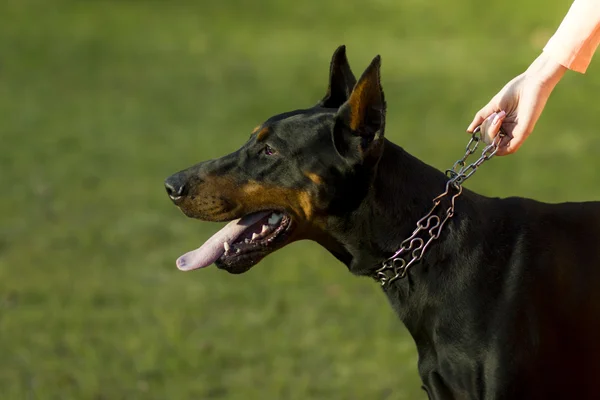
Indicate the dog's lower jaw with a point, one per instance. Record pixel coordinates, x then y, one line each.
235 270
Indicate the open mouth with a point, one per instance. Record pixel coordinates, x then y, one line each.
241 244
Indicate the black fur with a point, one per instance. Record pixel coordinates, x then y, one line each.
505 305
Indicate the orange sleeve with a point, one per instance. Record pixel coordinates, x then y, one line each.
577 37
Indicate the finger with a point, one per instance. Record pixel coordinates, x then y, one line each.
480 117
511 143
509 146
528 117
491 126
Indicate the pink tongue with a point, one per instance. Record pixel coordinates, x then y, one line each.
210 251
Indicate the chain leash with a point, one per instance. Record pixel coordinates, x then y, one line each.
413 248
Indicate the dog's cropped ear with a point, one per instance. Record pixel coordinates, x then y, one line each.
360 121
341 80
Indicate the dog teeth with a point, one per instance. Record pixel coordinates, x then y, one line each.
275 218
246 240
226 246
264 229
254 236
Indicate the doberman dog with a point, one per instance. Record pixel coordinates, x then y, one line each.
505 304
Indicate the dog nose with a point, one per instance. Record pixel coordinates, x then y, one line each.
175 186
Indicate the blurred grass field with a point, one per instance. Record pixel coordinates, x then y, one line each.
101 100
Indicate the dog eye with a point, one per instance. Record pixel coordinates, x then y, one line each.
268 150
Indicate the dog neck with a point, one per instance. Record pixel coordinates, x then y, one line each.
399 194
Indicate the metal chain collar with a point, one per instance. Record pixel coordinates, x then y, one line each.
412 248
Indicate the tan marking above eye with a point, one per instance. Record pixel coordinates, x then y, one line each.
256 129
263 133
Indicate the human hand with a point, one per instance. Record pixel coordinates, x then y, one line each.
518 106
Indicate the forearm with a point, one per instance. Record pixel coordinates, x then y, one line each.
574 43
545 70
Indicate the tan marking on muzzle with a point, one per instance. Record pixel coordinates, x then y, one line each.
256 194
222 198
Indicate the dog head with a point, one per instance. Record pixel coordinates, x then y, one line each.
301 175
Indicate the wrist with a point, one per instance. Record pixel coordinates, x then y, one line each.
545 70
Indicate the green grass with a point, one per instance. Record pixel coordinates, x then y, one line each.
101 100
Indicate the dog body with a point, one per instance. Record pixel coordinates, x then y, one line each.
504 305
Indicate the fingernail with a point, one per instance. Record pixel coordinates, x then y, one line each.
181 263
501 114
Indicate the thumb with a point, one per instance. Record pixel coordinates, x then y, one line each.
491 127
480 117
